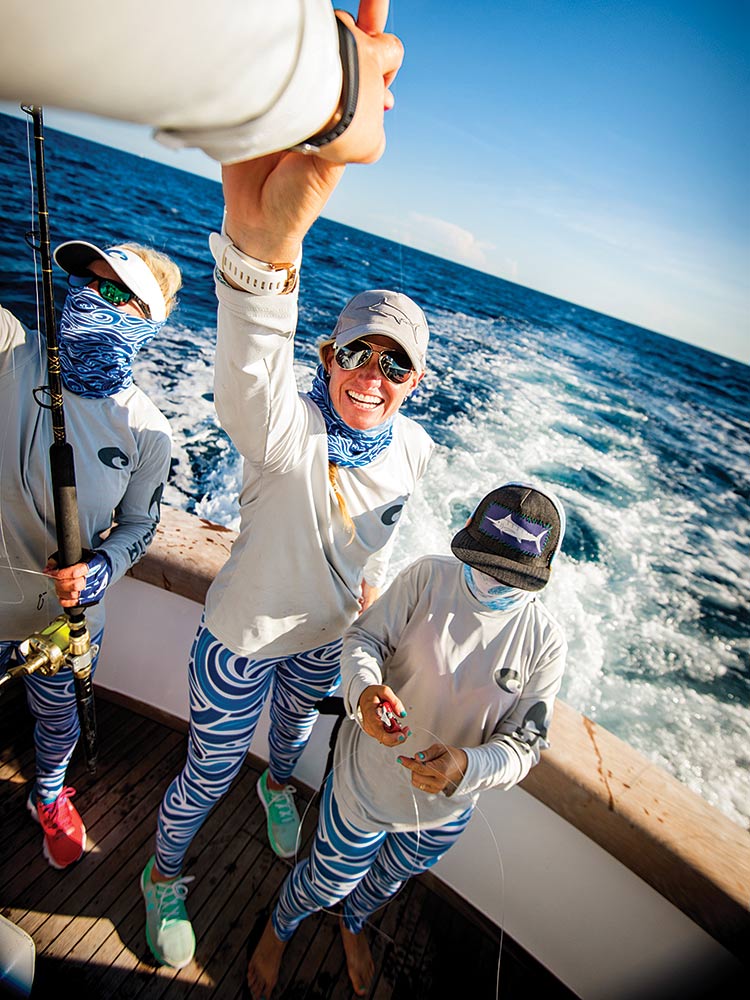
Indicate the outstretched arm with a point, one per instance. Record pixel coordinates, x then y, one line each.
238 80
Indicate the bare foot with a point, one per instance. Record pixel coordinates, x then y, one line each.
359 961
263 970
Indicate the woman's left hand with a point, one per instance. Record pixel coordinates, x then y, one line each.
69 582
369 596
272 202
439 768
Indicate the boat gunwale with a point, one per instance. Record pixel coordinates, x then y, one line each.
679 844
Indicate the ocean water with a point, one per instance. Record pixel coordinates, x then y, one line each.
646 440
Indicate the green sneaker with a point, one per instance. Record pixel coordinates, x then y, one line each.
283 818
168 931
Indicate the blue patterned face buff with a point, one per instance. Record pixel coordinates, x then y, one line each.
348 447
492 594
98 343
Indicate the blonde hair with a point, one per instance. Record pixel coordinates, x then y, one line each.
333 469
322 345
163 268
333 479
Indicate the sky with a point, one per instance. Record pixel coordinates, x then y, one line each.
596 151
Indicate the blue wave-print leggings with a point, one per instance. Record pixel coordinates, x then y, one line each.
227 695
52 702
367 868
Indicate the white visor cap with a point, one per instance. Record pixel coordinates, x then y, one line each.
76 256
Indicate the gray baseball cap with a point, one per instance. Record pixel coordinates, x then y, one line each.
391 314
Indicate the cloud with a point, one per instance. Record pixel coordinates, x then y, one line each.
446 239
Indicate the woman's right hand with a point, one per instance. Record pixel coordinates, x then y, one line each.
272 201
369 701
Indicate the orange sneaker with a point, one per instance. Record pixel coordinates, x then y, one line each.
64 832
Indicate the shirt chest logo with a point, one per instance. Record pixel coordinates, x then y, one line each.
391 514
113 458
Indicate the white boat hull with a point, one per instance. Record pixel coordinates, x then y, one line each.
595 923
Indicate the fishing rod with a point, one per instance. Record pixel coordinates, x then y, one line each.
66 641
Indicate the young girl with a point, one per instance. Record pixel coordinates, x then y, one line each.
462 649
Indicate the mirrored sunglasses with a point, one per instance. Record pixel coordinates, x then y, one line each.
394 364
113 292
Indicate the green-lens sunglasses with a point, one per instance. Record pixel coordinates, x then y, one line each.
113 292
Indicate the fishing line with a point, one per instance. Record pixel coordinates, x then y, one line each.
415 856
476 809
391 24
17 569
373 927
499 856
31 241
6 554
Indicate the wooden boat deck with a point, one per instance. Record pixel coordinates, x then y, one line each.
87 922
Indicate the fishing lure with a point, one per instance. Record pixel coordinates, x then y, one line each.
387 715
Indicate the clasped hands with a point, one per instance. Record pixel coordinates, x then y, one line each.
439 768
272 201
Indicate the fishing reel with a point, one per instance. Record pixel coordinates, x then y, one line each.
56 646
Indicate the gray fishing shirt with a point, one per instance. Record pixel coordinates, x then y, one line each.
122 449
469 677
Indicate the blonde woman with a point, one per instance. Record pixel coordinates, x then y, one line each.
117 301
326 475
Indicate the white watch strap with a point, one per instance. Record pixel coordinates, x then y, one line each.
255 276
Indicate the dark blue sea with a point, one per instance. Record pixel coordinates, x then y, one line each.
645 438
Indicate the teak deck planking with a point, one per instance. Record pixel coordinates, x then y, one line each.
88 922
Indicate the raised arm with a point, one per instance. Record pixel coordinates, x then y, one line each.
238 80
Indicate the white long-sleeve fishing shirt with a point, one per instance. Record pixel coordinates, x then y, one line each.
122 449
294 576
236 79
481 680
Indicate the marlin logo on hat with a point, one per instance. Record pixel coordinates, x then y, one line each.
513 535
515 530
393 312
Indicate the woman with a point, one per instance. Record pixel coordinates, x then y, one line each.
461 648
117 301
325 477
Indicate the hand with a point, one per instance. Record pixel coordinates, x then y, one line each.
369 596
272 201
380 57
83 583
69 582
369 700
439 768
